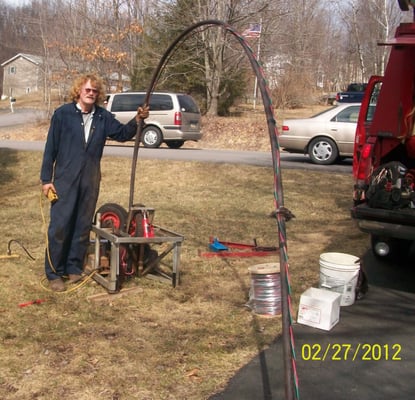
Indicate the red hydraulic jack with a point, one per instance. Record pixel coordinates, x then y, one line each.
232 249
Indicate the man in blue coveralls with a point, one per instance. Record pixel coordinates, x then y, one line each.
71 171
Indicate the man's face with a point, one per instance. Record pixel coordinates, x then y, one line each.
88 94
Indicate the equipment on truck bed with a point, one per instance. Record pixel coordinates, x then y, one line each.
384 156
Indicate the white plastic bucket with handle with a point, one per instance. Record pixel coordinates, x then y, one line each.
339 273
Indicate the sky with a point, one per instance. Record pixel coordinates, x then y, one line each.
15 2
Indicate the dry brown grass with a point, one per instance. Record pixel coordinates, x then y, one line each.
159 343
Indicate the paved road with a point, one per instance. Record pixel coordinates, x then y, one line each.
263 159
298 161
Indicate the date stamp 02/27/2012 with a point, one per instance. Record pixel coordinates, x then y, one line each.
351 352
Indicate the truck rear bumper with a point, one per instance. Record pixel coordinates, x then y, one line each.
389 223
387 229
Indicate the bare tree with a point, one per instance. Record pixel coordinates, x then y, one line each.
367 23
385 17
303 53
212 54
214 45
306 46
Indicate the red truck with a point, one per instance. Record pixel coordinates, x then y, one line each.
384 151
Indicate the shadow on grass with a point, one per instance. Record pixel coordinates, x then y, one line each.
262 367
8 158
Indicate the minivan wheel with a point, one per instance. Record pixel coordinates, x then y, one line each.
151 137
175 144
323 151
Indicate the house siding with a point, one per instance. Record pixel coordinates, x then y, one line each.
21 76
24 74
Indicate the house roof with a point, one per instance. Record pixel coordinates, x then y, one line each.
29 57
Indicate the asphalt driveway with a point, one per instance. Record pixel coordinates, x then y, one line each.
379 333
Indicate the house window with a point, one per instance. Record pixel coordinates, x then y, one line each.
12 70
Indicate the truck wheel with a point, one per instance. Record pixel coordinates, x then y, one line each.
386 248
323 151
152 137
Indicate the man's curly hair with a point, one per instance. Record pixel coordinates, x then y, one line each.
96 82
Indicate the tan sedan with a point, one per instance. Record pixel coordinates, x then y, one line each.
326 137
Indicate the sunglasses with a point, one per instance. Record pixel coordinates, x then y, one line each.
90 90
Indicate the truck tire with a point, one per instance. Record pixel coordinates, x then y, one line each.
323 151
151 137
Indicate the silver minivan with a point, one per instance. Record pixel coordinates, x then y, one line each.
174 117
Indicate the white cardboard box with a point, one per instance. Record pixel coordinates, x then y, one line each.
319 308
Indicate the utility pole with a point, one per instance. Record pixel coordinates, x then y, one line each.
258 55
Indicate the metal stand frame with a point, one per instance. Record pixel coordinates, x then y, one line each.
161 236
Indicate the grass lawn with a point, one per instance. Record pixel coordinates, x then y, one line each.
159 342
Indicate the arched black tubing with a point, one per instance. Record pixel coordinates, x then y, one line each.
282 214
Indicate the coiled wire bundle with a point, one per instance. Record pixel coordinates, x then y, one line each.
265 291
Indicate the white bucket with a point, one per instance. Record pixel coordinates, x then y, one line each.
265 292
339 273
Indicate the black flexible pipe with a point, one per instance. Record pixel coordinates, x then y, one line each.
282 214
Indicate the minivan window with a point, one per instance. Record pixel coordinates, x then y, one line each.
187 104
130 102
160 102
